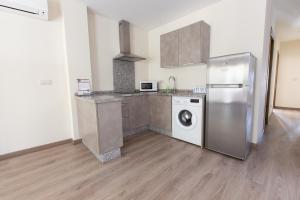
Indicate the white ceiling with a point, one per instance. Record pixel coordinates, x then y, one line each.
147 14
288 11
286 32
287 16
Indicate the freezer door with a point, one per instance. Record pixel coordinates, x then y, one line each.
226 111
229 70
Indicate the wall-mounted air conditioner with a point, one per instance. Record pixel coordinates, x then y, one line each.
34 8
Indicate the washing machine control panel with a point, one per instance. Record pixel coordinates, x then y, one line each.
195 101
189 101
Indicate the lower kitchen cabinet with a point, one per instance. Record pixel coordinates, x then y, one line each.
125 117
160 110
144 112
135 114
139 112
100 128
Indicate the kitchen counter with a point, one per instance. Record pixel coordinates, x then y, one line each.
110 96
102 132
100 125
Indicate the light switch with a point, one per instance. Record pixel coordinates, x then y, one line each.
46 82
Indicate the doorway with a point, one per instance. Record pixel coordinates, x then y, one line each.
269 77
287 79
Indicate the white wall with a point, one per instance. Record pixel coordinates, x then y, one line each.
274 67
262 73
287 32
104 43
57 50
234 29
288 81
273 75
283 31
77 52
32 50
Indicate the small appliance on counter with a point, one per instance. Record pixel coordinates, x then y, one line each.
148 86
84 87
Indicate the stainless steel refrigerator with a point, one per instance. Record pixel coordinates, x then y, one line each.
229 104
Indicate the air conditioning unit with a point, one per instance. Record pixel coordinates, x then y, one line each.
34 8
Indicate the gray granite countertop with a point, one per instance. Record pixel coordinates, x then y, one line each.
110 96
100 98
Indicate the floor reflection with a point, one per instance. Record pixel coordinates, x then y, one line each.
290 121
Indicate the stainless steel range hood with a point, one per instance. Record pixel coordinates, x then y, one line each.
124 36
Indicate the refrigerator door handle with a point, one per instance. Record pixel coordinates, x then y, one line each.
225 85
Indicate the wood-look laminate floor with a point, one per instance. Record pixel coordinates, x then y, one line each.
157 167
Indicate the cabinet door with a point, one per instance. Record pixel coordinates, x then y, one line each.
194 42
204 42
87 124
189 45
138 112
161 113
126 126
109 126
169 46
125 117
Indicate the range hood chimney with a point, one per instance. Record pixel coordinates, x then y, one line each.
124 36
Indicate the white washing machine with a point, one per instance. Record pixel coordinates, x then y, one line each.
187 119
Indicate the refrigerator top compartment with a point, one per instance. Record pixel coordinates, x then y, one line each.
229 70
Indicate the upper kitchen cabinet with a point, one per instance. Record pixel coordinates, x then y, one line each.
192 45
169 49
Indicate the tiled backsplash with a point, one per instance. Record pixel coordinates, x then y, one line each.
124 76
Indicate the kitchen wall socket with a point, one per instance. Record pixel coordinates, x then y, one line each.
46 82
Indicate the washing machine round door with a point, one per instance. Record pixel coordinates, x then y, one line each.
186 119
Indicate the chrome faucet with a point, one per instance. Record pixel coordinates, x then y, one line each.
172 78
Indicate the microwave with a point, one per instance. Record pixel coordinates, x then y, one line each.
148 86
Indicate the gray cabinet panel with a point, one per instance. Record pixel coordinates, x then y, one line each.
100 130
88 125
169 47
109 126
189 45
194 44
125 109
153 111
138 112
126 124
135 113
205 42
161 114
